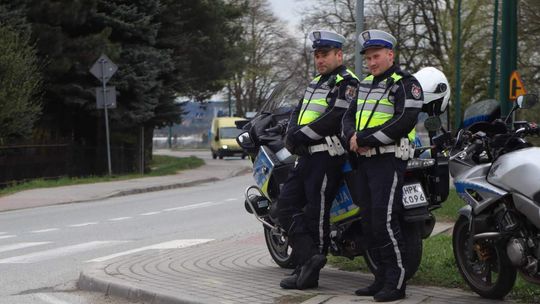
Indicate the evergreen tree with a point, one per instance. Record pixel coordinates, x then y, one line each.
20 79
141 66
204 37
163 49
20 83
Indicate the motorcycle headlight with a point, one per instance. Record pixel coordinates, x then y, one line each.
419 163
225 147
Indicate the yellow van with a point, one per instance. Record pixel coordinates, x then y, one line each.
222 137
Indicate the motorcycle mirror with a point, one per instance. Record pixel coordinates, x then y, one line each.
245 141
459 138
432 123
527 101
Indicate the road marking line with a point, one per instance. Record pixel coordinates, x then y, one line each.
84 224
151 213
57 252
21 245
120 218
193 206
7 236
231 199
178 208
50 299
44 230
176 244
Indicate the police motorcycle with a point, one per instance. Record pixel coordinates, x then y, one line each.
426 182
497 174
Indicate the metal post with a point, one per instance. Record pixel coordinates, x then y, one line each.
458 68
106 116
230 103
142 150
169 137
359 28
493 70
508 52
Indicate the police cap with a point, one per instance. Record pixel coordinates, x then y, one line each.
375 39
326 39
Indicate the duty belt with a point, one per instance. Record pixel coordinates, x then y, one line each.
403 150
333 146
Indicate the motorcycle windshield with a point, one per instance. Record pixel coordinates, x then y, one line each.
484 110
283 98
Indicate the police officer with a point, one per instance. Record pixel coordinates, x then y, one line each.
377 129
313 134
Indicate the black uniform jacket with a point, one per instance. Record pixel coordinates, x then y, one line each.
407 97
329 123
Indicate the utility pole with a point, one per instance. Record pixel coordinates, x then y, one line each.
359 29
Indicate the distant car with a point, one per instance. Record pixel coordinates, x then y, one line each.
222 138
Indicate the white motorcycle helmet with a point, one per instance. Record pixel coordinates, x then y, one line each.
436 90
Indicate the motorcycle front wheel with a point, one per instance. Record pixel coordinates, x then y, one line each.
412 255
485 267
278 246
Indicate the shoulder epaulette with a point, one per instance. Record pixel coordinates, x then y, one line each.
403 73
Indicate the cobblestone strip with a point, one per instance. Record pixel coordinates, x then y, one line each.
236 270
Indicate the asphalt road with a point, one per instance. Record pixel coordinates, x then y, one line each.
42 250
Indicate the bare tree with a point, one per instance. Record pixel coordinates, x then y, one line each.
338 16
529 42
270 57
426 32
528 52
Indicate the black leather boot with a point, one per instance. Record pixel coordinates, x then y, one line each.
371 290
389 294
290 281
309 272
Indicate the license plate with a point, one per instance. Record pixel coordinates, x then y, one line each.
413 196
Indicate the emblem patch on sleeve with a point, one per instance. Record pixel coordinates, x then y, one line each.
350 93
416 91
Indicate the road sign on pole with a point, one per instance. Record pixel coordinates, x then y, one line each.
103 69
516 86
109 97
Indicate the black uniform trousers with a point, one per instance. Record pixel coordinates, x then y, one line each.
304 203
380 182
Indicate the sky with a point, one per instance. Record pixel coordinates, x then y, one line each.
290 11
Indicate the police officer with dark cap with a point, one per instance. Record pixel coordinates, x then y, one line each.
313 134
379 130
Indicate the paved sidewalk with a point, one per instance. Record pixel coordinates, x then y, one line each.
236 270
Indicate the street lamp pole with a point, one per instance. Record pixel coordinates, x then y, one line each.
359 29
508 52
458 68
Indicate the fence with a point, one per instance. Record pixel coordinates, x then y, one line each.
24 162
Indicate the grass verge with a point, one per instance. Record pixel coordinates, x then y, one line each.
449 209
160 165
438 267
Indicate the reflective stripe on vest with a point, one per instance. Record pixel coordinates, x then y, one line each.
372 99
314 103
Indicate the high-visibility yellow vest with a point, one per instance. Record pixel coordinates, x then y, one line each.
373 107
314 103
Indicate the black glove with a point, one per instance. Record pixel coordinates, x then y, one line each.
289 144
298 149
301 150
